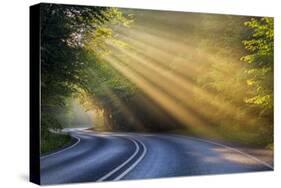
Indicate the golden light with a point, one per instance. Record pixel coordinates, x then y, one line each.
166 65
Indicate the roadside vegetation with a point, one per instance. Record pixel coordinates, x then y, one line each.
53 142
51 138
199 74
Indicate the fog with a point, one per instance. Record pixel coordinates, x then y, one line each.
76 116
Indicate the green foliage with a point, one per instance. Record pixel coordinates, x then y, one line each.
261 43
69 34
54 142
260 59
49 121
49 140
64 31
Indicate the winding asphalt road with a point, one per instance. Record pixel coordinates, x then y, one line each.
116 156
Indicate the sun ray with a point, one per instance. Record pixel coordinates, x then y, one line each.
176 86
182 114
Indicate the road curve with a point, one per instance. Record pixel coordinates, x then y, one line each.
117 156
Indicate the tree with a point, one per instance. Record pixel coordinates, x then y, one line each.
260 60
69 33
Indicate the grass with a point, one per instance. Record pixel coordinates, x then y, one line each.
53 142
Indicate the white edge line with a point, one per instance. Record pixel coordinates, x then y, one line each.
67 148
124 163
231 148
134 164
